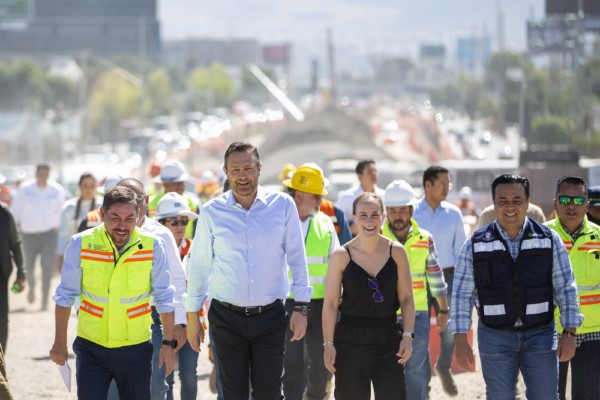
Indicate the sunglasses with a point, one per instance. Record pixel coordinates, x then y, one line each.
183 222
377 295
566 200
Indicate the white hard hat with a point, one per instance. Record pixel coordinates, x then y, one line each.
399 193
174 205
110 182
465 193
173 171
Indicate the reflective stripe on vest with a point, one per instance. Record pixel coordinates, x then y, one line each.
93 255
417 250
91 309
135 299
138 311
584 254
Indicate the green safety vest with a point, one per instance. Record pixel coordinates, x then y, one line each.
115 289
317 243
417 250
153 209
585 261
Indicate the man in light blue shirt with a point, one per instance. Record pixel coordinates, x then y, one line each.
245 239
444 221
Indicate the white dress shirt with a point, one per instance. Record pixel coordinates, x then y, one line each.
38 209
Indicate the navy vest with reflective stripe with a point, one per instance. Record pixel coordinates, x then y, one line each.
514 292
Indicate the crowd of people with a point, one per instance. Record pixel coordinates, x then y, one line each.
297 289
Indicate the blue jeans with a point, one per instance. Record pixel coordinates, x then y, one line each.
504 353
417 369
188 361
585 384
158 383
216 360
444 362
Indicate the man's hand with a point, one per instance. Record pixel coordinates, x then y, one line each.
566 348
195 331
22 283
442 321
297 325
464 352
59 353
166 357
180 335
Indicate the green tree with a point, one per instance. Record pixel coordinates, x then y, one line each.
590 74
551 130
111 100
210 87
394 70
158 97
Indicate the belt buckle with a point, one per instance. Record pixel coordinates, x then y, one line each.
247 310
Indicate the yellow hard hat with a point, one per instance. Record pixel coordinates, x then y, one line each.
308 179
286 171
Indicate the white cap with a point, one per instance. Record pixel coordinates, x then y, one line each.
466 193
174 205
173 171
398 194
110 182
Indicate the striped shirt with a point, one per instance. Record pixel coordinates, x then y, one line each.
464 294
435 275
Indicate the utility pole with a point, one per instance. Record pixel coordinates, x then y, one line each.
331 53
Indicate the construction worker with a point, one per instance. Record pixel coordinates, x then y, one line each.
173 176
114 269
582 240
426 274
307 188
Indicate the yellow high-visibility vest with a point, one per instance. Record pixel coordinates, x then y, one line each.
115 289
585 261
417 250
317 243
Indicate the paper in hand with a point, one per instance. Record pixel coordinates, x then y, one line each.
65 373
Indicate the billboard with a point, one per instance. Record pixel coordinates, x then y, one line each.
590 7
14 8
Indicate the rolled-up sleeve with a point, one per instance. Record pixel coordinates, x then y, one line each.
564 286
435 275
200 264
162 290
296 256
69 287
463 295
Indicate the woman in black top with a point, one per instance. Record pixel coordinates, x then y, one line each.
372 277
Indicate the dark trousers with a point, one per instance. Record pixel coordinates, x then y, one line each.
249 349
43 244
96 366
300 372
585 383
356 366
3 312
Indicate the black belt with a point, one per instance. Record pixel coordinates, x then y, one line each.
249 311
449 270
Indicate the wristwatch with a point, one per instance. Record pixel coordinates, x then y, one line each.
171 343
409 334
302 308
442 311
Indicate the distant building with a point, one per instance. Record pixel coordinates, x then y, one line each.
191 53
472 54
433 63
69 27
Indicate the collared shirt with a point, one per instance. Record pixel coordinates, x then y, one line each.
335 242
38 209
433 271
178 278
563 282
69 287
346 198
246 253
446 225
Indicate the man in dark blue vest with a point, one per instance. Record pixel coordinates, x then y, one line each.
514 270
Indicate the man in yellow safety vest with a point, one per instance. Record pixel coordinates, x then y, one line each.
307 188
582 240
114 269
